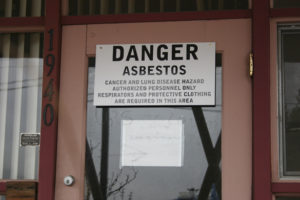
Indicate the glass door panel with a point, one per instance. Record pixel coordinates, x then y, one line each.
180 161
289 100
21 70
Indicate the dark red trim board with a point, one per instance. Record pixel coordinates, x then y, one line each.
21 21
261 101
286 187
52 45
2 187
156 17
285 12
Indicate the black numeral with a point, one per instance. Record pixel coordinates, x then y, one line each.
49 90
50 40
50 62
48 108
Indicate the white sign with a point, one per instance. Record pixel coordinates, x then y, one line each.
152 143
155 74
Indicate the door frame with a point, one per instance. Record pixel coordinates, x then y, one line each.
261 13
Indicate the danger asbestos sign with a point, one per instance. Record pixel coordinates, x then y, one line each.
166 74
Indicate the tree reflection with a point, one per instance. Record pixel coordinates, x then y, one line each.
293 118
292 137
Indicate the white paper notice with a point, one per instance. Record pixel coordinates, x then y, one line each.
157 143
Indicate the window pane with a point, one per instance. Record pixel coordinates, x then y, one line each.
80 7
286 3
22 8
290 100
117 163
21 69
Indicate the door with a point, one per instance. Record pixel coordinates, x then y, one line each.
215 156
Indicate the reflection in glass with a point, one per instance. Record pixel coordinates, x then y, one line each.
21 70
102 7
286 3
290 100
22 8
287 198
199 176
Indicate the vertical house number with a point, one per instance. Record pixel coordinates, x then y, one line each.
48 109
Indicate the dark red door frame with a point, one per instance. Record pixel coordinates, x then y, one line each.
46 187
261 13
52 46
157 17
261 101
